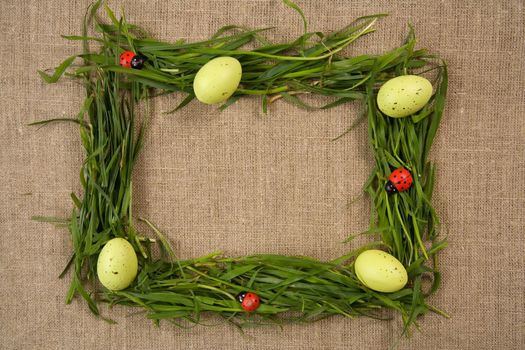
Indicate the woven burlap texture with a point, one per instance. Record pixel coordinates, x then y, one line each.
244 182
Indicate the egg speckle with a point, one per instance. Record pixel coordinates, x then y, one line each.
380 271
404 95
217 80
117 264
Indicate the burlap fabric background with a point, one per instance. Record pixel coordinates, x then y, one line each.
244 182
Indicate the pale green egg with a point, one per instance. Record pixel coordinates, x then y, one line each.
380 271
404 95
117 264
217 80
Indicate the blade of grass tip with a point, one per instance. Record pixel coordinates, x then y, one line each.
437 275
384 299
409 42
374 16
83 110
337 102
54 120
436 283
59 71
350 238
358 121
354 200
237 43
253 277
425 112
68 265
184 102
437 311
124 28
430 180
72 290
50 219
296 101
225 29
294 6
80 37
140 142
229 102
374 230
76 201
340 260
111 15
75 231
264 103
133 298
164 243
91 12
132 234
441 94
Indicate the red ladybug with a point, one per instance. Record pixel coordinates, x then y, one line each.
249 301
125 59
399 180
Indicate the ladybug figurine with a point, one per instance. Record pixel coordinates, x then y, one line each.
249 301
399 180
129 59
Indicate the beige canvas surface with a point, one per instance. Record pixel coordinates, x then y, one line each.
243 182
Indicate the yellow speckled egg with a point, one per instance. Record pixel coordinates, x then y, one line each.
217 80
404 95
117 264
380 271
